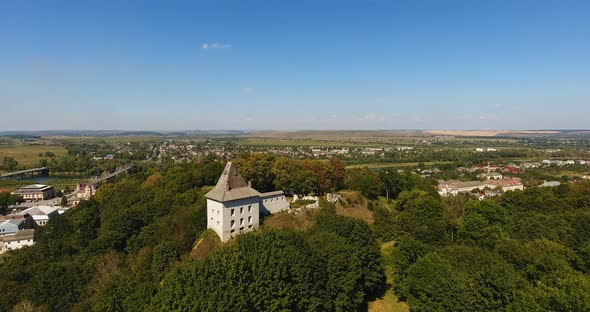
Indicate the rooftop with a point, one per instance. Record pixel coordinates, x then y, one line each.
35 187
231 186
458 184
19 235
12 221
274 193
40 210
504 182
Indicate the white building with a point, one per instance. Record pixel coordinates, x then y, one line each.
41 214
234 207
17 240
550 184
453 187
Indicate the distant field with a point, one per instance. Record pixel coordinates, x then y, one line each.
338 138
490 133
28 155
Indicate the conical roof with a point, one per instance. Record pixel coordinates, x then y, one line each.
231 186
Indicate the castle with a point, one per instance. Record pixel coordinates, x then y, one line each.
234 207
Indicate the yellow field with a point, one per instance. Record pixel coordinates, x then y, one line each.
488 133
28 155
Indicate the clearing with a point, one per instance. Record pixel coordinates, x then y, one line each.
389 302
354 205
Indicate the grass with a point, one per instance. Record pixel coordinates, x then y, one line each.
28 155
389 301
206 243
301 220
354 205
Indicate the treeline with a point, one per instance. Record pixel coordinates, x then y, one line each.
110 253
296 176
127 250
459 155
524 251
306 176
335 266
8 199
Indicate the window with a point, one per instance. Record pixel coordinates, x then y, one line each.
241 210
241 221
217 222
232 223
217 212
232 231
250 226
242 228
233 213
250 219
250 208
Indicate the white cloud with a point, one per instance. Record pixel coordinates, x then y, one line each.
215 45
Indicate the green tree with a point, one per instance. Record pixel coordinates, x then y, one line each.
365 181
9 164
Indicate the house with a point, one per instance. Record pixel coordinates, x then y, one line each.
531 165
479 149
453 187
36 192
513 169
371 151
4 191
587 177
11 226
17 240
234 207
506 184
491 150
85 190
41 214
489 176
550 184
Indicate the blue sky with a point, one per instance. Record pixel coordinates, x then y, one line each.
415 64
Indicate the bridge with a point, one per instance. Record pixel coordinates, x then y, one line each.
21 174
107 175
